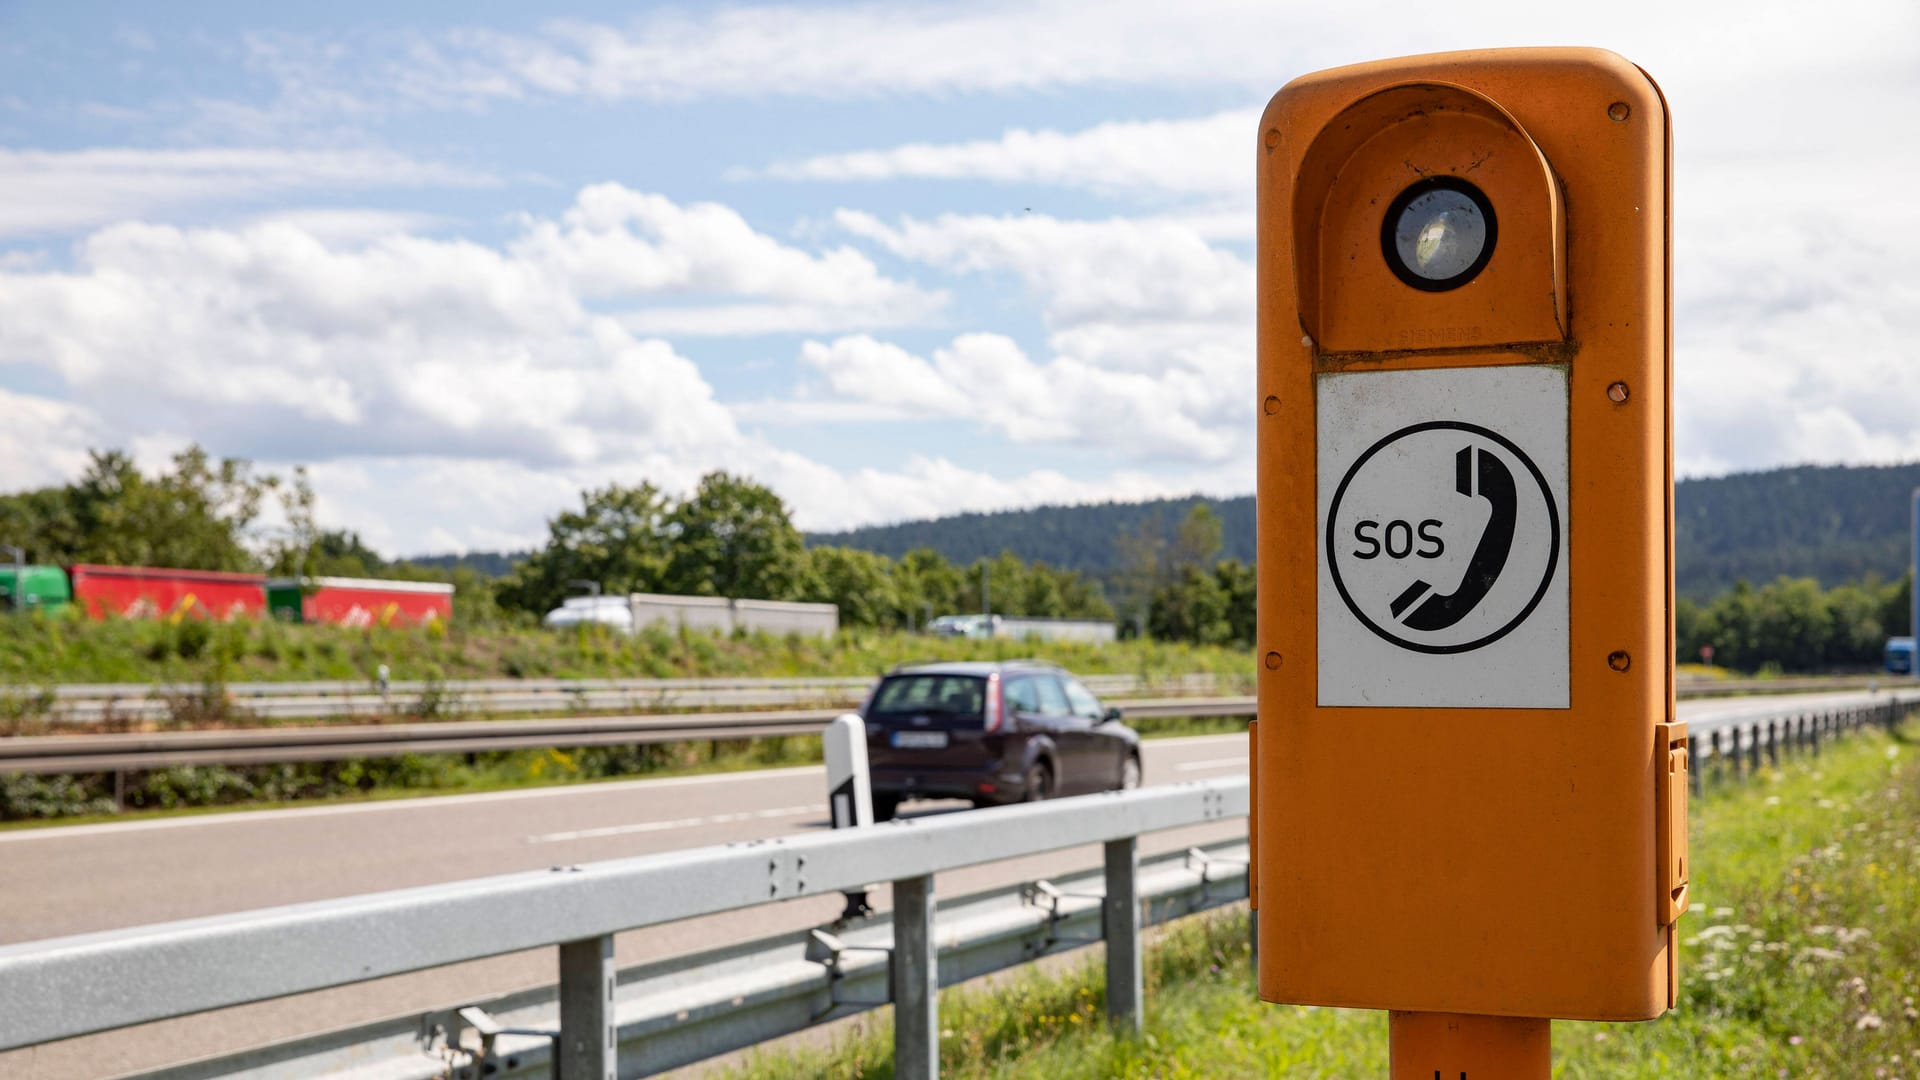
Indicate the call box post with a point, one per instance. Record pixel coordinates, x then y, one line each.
1469 786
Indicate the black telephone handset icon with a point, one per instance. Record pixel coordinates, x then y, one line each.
1493 482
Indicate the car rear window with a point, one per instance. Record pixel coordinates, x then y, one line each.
929 695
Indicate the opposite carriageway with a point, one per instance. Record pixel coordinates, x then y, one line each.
103 752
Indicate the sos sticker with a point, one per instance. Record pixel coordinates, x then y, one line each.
1443 534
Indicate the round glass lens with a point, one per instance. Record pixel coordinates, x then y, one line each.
1440 234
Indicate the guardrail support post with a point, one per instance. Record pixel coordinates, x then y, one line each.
1120 913
586 1047
916 982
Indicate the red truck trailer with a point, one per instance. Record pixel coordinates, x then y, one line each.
359 601
136 592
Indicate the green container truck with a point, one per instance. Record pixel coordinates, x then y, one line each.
284 600
33 588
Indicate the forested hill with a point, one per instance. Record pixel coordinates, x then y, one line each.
1834 523
491 564
1070 537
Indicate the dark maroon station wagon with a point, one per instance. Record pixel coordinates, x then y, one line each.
1012 731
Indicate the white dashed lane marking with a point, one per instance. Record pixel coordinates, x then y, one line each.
1210 763
678 823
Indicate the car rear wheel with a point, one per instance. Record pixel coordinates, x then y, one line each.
885 806
1130 773
1039 783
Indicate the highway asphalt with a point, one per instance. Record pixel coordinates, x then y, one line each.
72 880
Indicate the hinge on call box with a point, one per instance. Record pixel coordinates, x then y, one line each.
1670 821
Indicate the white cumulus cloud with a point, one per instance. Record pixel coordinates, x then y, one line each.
1208 156
1178 413
53 191
447 393
1120 271
616 242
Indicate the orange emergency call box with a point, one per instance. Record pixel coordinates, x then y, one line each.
1469 787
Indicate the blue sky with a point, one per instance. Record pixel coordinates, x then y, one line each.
894 260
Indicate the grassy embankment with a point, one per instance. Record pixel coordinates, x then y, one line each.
1801 958
38 652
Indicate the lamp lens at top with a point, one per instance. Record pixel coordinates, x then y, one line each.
1439 234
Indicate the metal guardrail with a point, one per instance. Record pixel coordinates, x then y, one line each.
131 751
117 752
64 987
1734 751
94 703
676 1012
1796 684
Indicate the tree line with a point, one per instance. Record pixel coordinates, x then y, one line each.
1078 537
1792 624
1184 593
733 537
729 537
1834 523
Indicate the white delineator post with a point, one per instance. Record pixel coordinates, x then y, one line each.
849 793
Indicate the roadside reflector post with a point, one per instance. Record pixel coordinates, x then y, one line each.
849 790
1470 785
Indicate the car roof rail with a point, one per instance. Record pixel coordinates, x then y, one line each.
917 662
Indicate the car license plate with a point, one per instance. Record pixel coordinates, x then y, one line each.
919 740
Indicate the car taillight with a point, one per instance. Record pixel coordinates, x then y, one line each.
995 706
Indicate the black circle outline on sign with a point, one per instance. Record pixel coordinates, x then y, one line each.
1390 228
1553 539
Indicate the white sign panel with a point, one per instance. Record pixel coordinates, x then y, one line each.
1443 537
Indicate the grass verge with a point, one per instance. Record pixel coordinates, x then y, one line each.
40 650
1801 958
